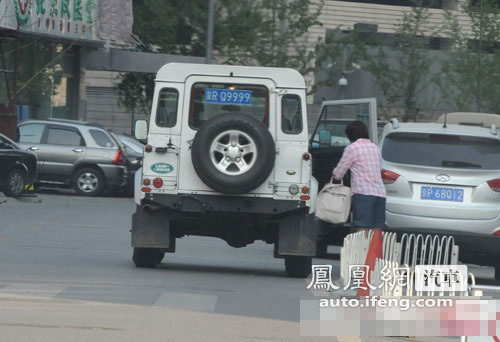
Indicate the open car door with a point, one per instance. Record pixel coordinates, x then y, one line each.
328 139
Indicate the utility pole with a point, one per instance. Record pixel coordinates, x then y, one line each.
210 33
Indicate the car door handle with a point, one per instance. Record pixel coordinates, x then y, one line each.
77 150
33 148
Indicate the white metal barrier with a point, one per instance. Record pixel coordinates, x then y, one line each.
411 250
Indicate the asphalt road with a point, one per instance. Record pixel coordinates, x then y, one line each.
58 248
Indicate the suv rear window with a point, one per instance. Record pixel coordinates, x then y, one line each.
101 138
442 150
211 99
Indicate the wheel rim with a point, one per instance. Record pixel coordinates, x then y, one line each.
16 183
87 182
233 152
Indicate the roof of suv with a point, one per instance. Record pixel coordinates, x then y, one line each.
438 128
73 123
179 72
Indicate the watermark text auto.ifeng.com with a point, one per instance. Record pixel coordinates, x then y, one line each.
371 302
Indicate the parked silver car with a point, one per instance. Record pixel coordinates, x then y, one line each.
75 153
445 179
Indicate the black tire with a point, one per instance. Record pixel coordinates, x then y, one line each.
146 257
161 255
257 165
321 249
14 183
94 187
298 266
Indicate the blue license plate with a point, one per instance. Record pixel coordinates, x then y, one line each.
442 194
228 96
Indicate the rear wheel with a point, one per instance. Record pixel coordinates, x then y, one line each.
15 182
298 266
321 249
147 257
88 182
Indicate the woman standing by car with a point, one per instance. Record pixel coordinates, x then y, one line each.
362 157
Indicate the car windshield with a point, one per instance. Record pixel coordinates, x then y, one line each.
442 150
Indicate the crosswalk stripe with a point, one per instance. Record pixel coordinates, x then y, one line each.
38 290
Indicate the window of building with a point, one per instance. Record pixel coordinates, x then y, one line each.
61 136
291 114
426 3
166 111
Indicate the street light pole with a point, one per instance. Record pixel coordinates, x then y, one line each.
210 33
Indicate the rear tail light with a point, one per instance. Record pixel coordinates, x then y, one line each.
494 184
146 182
497 233
146 190
158 182
305 190
389 177
306 156
118 160
148 148
305 198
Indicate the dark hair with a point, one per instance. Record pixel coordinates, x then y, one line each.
356 130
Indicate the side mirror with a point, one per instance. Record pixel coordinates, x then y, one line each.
141 130
325 137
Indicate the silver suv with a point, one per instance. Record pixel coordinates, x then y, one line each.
445 178
86 156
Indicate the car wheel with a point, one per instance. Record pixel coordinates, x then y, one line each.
146 257
161 255
298 266
321 249
88 182
233 154
15 182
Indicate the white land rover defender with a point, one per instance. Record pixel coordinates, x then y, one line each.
226 156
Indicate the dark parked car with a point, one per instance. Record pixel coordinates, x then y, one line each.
17 167
75 153
134 152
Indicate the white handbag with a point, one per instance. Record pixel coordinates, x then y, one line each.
334 203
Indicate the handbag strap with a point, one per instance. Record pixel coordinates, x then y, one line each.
341 181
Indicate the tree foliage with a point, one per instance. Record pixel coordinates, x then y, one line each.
272 34
265 33
403 70
470 79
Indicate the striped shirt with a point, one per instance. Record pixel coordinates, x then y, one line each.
363 158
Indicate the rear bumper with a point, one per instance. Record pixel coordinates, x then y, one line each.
116 175
449 225
195 203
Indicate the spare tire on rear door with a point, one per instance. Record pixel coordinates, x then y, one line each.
233 154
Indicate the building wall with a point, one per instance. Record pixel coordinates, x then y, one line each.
344 15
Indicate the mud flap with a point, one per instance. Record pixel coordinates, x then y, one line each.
297 235
152 230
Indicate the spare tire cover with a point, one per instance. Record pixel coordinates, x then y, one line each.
233 154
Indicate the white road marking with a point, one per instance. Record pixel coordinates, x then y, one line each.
37 290
187 301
